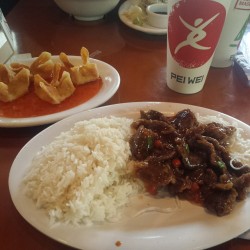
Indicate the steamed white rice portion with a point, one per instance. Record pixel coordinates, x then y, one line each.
81 177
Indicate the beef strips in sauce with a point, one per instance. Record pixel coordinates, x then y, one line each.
188 159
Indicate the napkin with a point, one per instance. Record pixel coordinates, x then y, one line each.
242 58
242 61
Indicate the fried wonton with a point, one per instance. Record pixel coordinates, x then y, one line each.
56 91
81 74
17 67
13 85
43 66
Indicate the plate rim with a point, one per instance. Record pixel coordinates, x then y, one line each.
130 107
104 94
148 30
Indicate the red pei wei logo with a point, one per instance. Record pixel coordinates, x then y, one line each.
193 31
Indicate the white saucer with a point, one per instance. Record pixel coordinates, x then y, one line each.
146 28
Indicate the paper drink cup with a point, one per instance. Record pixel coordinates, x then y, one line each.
235 25
194 28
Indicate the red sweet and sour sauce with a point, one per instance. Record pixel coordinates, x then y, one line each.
30 105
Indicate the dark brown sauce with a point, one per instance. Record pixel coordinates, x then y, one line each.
161 13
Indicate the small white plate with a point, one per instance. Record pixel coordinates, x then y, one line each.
189 227
146 28
110 84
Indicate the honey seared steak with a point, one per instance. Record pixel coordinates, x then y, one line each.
188 159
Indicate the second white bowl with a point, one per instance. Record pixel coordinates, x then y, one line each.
87 10
157 15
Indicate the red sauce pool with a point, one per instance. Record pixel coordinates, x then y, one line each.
30 105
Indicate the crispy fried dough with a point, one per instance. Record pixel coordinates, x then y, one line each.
81 74
43 66
57 90
13 85
53 82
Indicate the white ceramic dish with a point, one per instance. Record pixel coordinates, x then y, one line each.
187 228
111 82
146 28
87 10
157 15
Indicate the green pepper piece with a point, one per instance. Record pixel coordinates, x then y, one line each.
221 164
149 142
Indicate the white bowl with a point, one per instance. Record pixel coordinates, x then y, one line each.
87 10
157 15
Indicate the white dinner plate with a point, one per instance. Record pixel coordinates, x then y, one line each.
110 84
146 28
189 227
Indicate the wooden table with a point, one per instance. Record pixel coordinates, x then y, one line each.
141 62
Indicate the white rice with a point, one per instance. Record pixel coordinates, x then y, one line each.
81 177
